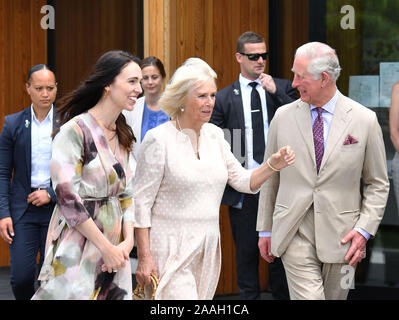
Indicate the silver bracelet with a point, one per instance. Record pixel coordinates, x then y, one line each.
271 167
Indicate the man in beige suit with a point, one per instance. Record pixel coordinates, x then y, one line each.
318 214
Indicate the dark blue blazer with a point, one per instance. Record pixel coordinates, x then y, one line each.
229 113
15 164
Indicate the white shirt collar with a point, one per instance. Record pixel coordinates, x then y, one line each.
244 82
49 116
330 105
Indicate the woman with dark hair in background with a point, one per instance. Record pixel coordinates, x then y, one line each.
147 114
91 231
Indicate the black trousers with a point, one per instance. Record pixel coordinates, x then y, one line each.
243 225
30 238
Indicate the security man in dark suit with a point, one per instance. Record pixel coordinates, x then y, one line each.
244 109
27 198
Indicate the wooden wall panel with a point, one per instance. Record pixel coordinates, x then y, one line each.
228 275
22 45
85 30
293 30
154 23
207 29
175 30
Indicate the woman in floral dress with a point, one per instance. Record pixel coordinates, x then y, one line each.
91 231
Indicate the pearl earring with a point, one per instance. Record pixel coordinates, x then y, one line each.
182 108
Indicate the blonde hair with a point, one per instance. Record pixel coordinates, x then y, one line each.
189 76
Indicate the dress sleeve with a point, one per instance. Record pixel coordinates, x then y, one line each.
238 177
66 170
148 178
126 198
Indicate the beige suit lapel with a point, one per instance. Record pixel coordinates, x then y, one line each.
341 119
304 122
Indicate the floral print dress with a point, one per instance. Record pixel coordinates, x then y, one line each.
90 182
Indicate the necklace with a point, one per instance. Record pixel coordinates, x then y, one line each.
101 124
178 123
180 129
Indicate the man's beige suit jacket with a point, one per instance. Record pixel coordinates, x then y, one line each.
350 190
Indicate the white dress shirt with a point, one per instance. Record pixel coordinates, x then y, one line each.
41 142
246 90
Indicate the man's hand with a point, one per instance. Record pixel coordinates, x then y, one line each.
264 244
268 83
39 198
6 229
357 249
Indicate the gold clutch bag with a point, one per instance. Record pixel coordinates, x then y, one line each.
147 292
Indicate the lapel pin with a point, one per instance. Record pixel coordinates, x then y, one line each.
27 123
236 92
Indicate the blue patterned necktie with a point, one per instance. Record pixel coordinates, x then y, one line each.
318 137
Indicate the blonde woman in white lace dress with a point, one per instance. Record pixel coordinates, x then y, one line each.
182 170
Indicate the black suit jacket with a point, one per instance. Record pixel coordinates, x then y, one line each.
15 164
228 114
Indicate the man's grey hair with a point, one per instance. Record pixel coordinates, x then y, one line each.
322 57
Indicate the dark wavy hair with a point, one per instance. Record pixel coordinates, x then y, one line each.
90 91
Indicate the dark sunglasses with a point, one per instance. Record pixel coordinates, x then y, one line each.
255 56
